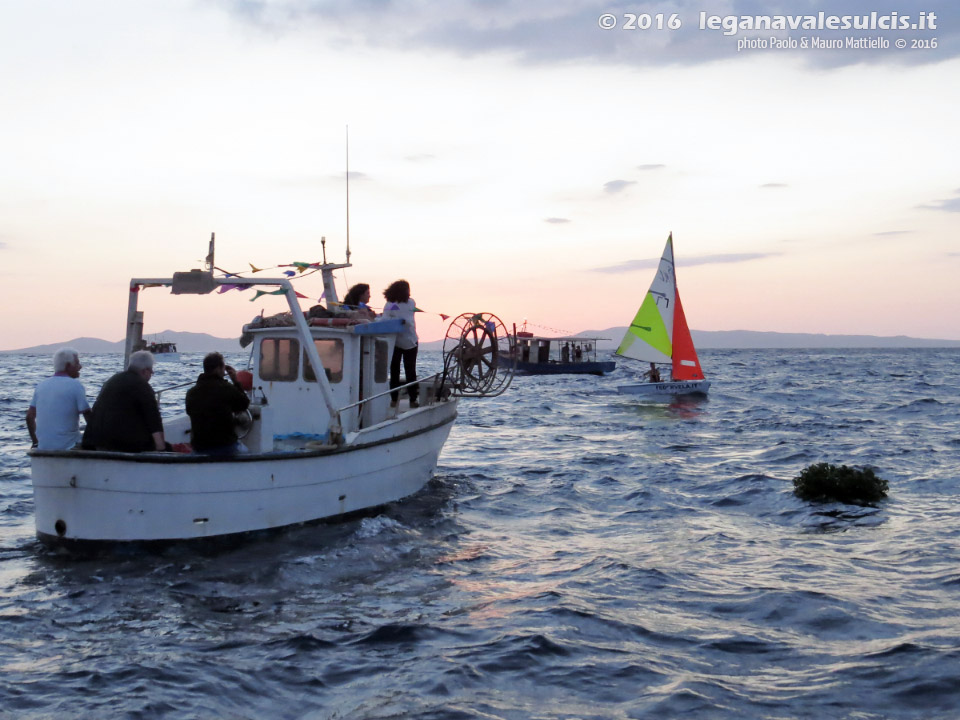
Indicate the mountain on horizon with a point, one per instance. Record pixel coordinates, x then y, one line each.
754 339
185 341
758 340
703 339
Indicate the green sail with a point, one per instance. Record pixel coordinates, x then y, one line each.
647 328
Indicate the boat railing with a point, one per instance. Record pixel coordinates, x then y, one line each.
360 403
160 392
388 392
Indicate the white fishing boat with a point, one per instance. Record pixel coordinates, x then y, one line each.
321 444
163 350
659 334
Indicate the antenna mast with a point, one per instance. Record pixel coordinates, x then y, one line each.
348 194
209 260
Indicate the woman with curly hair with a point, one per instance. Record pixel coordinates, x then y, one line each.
356 301
401 306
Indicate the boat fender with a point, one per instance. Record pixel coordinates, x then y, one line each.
245 378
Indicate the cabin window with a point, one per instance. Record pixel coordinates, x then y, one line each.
331 355
279 359
380 361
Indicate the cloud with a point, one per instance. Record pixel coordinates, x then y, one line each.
774 185
563 31
889 233
650 167
949 205
615 186
632 265
422 157
556 221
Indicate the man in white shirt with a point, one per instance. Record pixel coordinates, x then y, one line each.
57 404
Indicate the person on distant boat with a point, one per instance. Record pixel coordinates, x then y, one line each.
652 375
211 404
126 417
57 404
577 354
565 353
356 302
400 305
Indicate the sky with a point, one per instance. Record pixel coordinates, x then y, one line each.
517 158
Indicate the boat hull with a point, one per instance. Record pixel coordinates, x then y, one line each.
562 368
666 389
120 497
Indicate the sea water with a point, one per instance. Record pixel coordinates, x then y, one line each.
579 554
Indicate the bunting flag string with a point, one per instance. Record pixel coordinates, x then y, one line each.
430 312
551 329
301 267
300 270
281 291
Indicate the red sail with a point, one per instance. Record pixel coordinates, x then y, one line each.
686 364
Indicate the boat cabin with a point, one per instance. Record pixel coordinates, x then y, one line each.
356 361
287 405
533 349
291 407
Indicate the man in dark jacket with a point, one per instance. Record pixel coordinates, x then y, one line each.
126 416
211 404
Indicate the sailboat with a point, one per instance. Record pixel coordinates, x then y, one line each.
659 334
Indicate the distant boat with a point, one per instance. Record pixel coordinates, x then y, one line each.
536 355
659 334
163 350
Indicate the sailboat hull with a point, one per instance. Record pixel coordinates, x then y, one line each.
668 389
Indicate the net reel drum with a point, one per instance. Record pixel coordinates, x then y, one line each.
478 356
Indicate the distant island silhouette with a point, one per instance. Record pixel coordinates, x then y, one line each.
185 341
704 340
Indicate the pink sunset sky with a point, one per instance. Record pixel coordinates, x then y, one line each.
513 158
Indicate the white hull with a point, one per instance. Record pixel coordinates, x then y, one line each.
167 357
666 389
120 497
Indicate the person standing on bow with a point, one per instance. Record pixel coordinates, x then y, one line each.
57 404
401 306
211 404
126 417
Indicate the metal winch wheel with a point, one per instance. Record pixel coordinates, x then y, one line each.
478 356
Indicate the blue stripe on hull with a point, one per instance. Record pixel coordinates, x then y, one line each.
590 368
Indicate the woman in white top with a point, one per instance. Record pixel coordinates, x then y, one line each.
400 305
